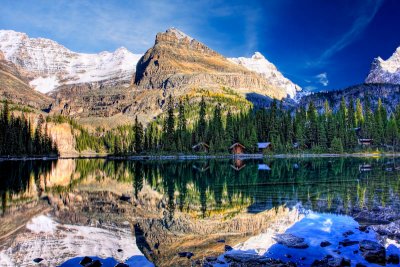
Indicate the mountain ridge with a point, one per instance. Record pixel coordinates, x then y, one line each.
49 64
385 71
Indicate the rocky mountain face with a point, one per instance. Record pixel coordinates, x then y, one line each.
385 71
14 87
49 64
110 89
258 63
179 61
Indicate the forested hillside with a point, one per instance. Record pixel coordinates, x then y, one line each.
18 138
303 129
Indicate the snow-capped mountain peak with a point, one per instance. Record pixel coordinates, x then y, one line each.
258 63
385 71
50 64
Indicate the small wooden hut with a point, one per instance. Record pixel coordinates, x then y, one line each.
201 147
264 146
365 141
237 148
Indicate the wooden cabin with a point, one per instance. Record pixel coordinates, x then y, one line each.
238 164
201 147
237 148
365 141
264 146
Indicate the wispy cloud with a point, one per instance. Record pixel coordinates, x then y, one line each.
322 78
366 14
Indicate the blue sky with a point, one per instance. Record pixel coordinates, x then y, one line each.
316 44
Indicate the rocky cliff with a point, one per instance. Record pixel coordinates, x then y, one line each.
178 62
385 71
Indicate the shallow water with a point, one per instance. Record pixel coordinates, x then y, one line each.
145 213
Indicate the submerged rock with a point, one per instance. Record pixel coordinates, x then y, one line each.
246 259
291 241
85 261
121 264
211 259
393 259
325 244
228 248
347 243
37 260
330 261
348 233
373 252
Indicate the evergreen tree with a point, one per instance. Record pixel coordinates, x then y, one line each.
201 128
138 130
169 140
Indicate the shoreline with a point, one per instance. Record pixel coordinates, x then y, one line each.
207 156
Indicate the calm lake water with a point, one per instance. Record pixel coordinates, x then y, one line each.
177 213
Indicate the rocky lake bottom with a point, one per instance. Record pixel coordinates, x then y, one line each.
209 212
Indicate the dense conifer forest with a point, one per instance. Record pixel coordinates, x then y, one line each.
17 137
289 131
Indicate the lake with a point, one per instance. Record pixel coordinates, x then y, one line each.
293 211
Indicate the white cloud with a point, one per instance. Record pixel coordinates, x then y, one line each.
322 78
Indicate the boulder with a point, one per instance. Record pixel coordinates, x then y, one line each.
291 241
37 260
325 244
373 252
330 261
85 261
228 248
347 243
393 259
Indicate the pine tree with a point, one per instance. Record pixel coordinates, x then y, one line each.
138 131
359 114
181 131
169 141
202 124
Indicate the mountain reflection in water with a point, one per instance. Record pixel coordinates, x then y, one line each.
176 206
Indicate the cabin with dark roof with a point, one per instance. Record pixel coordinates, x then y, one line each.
237 148
365 141
201 147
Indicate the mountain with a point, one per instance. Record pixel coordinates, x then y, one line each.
385 71
258 63
178 61
49 64
14 87
388 93
110 89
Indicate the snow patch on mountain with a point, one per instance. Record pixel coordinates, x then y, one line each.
258 63
45 84
51 64
385 71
